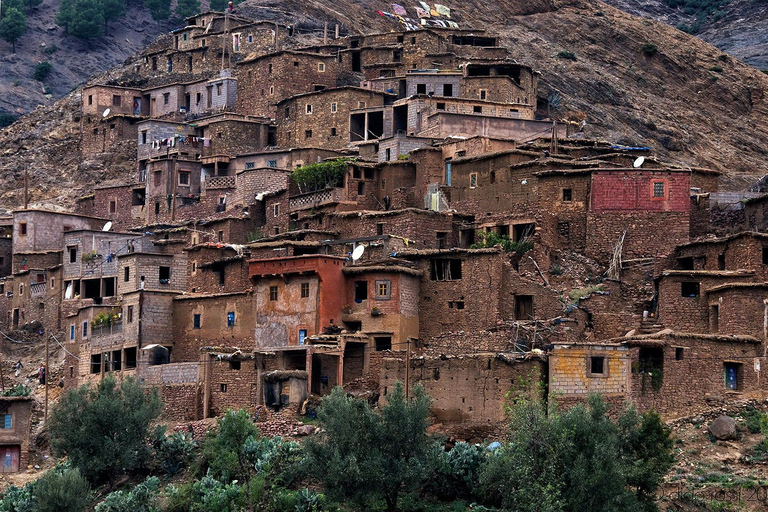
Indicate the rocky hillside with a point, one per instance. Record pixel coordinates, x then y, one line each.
689 101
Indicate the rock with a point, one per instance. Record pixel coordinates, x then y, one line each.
305 430
723 427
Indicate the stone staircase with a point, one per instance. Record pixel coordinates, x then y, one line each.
649 326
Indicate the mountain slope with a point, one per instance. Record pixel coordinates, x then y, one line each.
688 101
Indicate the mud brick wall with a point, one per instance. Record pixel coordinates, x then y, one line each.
276 214
501 89
689 314
264 82
649 234
206 277
213 330
569 370
148 265
465 389
181 402
118 100
434 83
252 182
231 137
571 224
234 389
699 377
100 135
739 311
123 215
700 218
418 226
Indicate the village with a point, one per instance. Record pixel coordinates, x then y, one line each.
309 211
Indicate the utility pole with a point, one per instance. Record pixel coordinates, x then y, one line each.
408 369
47 372
26 188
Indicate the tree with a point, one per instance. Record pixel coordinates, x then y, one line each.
86 20
366 456
111 10
62 489
187 8
104 431
579 460
42 70
159 9
12 26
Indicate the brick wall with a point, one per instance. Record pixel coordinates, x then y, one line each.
570 370
643 230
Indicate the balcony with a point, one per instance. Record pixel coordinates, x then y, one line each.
100 331
219 182
37 289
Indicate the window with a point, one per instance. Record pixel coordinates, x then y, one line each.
689 289
383 290
564 228
383 342
721 261
679 351
455 304
199 97
126 274
96 363
302 336
714 319
276 210
7 421
90 99
442 240
21 289
765 256
360 104
658 189
269 68
445 269
144 136
524 307
22 228
307 134
218 89
333 132
732 375
129 314
223 387
304 290
271 90
231 319
166 98
271 163
164 275
130 357
597 366
158 178
334 108
287 112
361 291
440 106
421 88
295 63
321 67
170 65
72 254
360 188
380 228
309 108
447 89
112 206
473 180
483 94
85 329
72 332
184 178
567 194
477 109
234 364
273 293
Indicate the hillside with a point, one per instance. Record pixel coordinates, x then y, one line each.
690 102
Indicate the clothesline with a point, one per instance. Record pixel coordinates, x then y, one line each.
181 139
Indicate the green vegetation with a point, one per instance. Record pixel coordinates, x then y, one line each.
716 69
103 431
12 26
159 9
50 50
650 49
84 19
17 390
60 489
704 10
582 293
317 176
492 239
567 55
187 8
42 70
142 498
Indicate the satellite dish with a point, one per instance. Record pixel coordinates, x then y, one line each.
68 293
358 252
106 113
638 162
107 226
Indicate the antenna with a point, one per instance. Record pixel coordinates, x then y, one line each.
358 252
107 226
106 113
638 162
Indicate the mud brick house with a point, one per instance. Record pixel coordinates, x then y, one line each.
193 98
683 302
15 413
264 80
6 245
109 117
217 268
331 118
746 250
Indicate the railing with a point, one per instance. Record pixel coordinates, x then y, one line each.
107 330
313 199
214 182
37 289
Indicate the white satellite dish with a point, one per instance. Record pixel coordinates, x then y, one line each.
68 293
106 113
638 162
358 252
107 226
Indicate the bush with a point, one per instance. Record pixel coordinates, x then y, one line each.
62 489
42 70
172 452
755 420
17 390
18 499
142 498
716 68
492 239
50 50
567 55
317 176
104 431
7 119
457 471
650 49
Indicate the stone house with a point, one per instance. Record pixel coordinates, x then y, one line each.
15 413
264 80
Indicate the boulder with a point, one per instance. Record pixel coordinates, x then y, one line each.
723 427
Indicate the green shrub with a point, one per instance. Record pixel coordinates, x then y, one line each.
50 50
566 54
492 239
650 49
18 499
17 390
716 68
42 70
457 471
755 420
172 452
61 489
142 498
320 175
7 119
